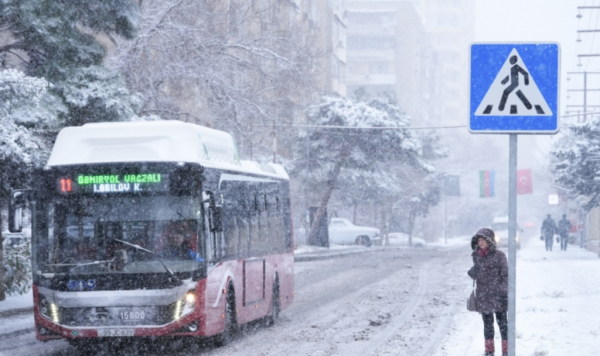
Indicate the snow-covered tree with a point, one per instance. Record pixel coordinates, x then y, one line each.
422 190
239 65
20 149
59 41
576 161
339 145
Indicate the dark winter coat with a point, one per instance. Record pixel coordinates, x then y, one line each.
491 279
548 228
564 226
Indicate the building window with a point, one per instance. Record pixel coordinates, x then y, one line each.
371 42
379 68
448 20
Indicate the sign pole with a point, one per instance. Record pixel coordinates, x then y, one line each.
512 244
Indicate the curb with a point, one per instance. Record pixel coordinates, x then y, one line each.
15 312
323 256
12 334
11 313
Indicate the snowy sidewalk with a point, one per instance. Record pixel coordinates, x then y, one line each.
558 304
16 313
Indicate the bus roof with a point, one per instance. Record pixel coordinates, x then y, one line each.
153 141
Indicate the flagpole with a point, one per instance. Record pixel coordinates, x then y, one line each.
446 219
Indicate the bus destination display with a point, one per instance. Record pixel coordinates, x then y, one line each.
114 183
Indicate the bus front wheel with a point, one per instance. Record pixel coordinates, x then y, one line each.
230 329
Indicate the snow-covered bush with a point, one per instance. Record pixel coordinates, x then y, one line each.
20 151
576 160
17 262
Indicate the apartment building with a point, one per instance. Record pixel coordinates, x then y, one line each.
389 52
450 25
327 25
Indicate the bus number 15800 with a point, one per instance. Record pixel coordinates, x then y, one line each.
130 315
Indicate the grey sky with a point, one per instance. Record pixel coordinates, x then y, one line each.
539 21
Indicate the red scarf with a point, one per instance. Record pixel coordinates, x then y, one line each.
483 252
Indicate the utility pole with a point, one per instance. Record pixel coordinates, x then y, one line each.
585 91
585 73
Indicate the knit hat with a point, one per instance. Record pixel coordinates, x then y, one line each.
485 233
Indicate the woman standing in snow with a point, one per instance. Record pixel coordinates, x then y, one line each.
490 272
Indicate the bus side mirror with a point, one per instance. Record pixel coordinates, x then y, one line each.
217 219
215 213
16 203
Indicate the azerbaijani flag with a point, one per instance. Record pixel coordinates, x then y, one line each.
486 184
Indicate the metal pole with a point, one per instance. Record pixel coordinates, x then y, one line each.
512 245
446 219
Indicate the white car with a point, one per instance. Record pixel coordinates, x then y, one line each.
401 239
500 228
343 232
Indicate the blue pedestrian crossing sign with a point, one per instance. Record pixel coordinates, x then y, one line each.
514 88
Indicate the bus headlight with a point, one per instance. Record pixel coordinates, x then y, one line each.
186 305
48 310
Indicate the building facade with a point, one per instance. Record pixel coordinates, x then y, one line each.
450 25
389 51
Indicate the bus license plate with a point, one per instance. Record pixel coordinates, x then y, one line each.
114 332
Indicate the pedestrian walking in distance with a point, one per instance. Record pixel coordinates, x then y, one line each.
564 226
490 272
548 231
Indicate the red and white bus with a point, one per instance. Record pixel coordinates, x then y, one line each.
150 229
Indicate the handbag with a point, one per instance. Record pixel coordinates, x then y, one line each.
472 301
541 238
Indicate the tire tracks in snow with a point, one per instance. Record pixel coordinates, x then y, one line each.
400 321
335 315
335 311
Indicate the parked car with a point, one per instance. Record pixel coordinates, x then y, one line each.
343 232
500 227
401 239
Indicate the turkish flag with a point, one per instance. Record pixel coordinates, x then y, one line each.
524 185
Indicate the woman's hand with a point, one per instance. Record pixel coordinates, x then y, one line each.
473 272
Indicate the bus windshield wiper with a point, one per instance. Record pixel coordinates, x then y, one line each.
77 265
138 247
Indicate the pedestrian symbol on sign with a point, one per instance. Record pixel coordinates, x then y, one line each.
522 97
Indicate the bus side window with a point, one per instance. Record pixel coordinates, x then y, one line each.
278 231
254 241
234 226
264 224
287 224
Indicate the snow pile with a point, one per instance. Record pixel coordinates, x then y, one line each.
454 241
558 296
17 302
304 249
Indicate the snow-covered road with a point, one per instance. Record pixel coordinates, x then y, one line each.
393 303
397 302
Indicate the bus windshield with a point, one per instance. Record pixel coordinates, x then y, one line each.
123 234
